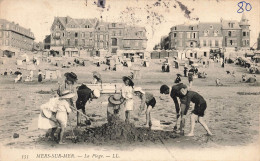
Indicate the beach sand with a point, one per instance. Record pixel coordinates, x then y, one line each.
232 113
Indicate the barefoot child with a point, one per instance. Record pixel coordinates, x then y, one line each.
149 100
127 94
199 109
63 110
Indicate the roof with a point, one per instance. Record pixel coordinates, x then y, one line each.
185 27
210 28
132 32
226 24
79 23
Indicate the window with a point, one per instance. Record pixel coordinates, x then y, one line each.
206 33
63 34
86 26
194 35
216 43
216 33
174 34
68 41
113 25
114 33
114 50
83 34
211 26
204 43
76 42
247 42
205 53
210 43
229 33
7 42
191 54
83 42
175 28
191 44
231 42
68 33
7 34
247 33
114 42
188 35
101 37
101 45
192 28
90 34
76 34
59 26
244 33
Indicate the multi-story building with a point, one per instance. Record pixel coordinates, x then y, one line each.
14 37
72 34
227 34
97 37
184 36
134 41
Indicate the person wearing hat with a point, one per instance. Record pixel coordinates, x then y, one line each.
199 108
178 79
114 106
96 78
148 100
179 107
85 94
127 94
63 109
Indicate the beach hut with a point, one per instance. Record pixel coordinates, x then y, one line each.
51 74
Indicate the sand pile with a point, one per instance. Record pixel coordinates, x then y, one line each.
118 130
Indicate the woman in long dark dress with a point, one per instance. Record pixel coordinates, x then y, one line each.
39 76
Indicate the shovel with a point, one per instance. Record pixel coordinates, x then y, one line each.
87 122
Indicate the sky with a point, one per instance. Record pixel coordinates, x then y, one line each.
157 16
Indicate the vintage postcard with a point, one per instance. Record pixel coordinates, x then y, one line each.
129 80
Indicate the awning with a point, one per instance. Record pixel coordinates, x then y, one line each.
71 49
56 48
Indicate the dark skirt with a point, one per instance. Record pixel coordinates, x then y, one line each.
39 78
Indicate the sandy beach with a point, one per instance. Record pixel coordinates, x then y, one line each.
232 113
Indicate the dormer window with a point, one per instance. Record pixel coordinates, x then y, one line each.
231 25
192 28
113 25
211 26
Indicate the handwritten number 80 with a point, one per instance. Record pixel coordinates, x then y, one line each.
248 7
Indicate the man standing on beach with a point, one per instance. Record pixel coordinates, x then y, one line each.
180 108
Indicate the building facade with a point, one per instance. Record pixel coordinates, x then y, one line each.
225 34
258 42
14 37
95 36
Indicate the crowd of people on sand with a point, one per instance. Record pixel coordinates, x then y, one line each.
55 113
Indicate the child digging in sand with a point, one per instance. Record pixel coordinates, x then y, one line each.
63 110
199 109
149 100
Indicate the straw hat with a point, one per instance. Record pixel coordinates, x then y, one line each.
96 93
115 99
67 94
129 78
139 89
97 75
